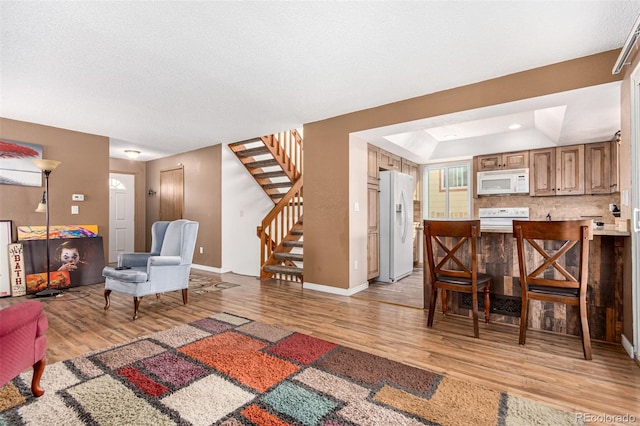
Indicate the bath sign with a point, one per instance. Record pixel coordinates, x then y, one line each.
16 269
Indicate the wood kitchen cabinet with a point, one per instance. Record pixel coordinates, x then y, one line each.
373 231
570 170
542 175
413 170
372 165
574 170
601 168
388 161
597 163
503 161
557 171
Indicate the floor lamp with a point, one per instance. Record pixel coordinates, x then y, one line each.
46 166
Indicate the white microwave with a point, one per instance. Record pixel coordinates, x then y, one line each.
515 181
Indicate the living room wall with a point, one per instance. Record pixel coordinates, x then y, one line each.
139 170
84 170
202 199
328 234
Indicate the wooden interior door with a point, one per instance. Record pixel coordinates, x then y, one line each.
171 194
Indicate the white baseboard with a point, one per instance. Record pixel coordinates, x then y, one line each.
209 268
626 344
335 290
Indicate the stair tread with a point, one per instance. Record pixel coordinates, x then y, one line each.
277 185
245 142
265 175
293 243
291 270
262 163
288 256
296 231
252 152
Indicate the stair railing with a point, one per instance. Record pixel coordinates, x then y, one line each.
278 223
286 148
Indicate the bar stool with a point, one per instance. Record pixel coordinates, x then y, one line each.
550 279
458 269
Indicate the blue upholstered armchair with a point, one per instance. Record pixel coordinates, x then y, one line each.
165 268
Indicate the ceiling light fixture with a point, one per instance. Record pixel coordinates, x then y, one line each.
515 126
450 136
132 153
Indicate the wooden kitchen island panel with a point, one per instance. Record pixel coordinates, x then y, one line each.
498 257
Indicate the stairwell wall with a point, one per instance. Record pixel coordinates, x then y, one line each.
245 205
328 183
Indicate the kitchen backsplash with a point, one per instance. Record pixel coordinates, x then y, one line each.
560 208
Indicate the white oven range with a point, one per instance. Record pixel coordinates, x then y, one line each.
501 217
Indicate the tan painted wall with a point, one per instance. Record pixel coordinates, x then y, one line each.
202 198
84 170
625 183
327 233
139 170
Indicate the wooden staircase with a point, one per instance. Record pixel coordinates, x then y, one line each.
275 162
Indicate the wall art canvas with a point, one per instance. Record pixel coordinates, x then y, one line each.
16 165
38 232
74 262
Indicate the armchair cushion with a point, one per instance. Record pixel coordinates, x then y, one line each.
133 275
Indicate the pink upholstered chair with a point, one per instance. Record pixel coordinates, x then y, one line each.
23 342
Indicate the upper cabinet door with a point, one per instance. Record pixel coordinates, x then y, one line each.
542 176
515 160
489 162
372 165
570 170
597 163
410 168
506 161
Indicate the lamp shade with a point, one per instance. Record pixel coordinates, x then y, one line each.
46 165
42 205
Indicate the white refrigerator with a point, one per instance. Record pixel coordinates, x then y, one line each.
396 226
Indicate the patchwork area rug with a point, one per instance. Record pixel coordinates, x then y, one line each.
227 370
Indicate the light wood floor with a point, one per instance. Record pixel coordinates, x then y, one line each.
549 367
406 292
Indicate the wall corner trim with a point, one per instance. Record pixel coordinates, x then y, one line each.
335 290
628 347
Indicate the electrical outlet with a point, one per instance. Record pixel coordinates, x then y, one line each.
75 210
201 250
355 265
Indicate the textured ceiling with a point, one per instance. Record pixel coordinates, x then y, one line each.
169 77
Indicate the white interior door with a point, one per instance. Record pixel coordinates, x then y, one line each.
121 214
635 204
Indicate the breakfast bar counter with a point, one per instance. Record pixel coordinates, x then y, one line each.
498 257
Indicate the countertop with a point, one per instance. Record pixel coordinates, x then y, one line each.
607 232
